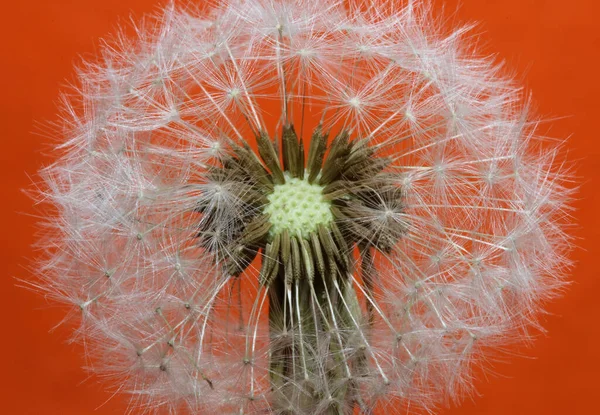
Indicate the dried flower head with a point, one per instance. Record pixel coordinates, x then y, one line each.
300 207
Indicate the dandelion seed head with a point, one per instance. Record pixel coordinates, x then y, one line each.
300 207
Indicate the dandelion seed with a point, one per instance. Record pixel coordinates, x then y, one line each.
300 207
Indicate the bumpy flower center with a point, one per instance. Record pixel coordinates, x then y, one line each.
297 206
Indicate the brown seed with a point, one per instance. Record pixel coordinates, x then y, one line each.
316 152
269 156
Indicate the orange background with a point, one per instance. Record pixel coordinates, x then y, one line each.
553 45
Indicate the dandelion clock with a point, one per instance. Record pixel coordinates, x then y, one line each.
299 207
